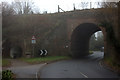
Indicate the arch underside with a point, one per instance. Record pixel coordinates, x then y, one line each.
80 39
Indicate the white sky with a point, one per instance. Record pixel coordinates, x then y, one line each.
52 5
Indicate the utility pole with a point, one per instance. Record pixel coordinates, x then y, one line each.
33 44
60 9
74 7
90 5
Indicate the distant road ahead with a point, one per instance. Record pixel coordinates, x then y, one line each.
88 67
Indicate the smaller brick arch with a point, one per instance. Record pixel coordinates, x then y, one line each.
80 39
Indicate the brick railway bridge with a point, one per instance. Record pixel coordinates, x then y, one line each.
54 31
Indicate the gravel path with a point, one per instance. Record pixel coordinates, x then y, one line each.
24 70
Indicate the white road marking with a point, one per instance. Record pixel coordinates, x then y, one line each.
37 72
100 63
36 75
83 75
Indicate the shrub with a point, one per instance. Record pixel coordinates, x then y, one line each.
7 75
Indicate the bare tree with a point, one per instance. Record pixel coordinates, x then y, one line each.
109 4
23 7
17 7
84 5
7 9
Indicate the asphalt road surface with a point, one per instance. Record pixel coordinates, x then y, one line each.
88 67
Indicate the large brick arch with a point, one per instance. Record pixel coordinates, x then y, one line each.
80 38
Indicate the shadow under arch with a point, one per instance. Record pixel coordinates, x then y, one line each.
80 39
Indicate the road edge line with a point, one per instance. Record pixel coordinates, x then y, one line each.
83 75
38 72
36 75
100 64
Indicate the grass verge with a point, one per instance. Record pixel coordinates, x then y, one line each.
44 59
90 52
109 62
6 62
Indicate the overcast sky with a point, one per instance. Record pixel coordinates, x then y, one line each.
52 5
